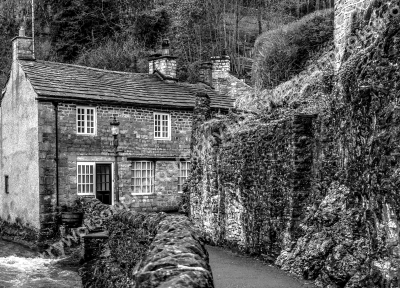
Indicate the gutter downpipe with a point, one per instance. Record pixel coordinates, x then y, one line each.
56 158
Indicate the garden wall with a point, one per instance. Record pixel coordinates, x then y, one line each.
146 250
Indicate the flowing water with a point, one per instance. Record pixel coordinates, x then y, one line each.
21 267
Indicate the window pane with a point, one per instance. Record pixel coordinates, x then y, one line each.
86 120
142 173
85 178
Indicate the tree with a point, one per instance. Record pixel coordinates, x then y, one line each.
81 24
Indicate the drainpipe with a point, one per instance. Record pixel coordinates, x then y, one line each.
56 158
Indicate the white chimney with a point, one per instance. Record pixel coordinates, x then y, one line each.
22 46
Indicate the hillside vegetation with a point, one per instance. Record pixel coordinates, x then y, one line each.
282 53
120 34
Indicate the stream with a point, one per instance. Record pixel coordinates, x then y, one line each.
23 268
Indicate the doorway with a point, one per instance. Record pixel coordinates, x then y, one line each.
104 183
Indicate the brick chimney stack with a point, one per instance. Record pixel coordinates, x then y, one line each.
221 66
22 46
163 63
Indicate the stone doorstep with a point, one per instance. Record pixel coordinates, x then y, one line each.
97 235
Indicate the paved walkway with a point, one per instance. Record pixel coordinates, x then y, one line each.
231 270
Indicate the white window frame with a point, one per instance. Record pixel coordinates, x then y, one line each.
85 121
93 183
94 178
187 170
161 126
152 177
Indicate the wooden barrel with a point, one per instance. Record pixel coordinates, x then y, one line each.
72 219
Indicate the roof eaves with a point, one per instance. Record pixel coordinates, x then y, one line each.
110 102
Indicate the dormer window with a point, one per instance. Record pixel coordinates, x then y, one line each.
86 120
162 126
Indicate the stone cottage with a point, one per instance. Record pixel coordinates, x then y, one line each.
56 141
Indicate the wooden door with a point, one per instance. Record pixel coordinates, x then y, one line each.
104 183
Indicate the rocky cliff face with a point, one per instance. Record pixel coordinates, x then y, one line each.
351 239
341 247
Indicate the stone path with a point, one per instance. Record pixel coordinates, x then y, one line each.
231 270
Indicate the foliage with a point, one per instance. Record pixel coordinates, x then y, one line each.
72 30
127 56
264 194
150 27
8 28
308 92
244 163
130 236
363 128
79 24
283 53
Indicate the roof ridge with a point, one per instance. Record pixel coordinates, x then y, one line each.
89 68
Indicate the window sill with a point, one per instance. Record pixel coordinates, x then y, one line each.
163 139
144 194
85 134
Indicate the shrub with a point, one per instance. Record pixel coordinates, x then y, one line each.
284 52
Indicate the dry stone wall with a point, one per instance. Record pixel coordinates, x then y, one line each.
146 250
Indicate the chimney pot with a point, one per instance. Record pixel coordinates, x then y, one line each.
165 47
22 46
164 62
21 32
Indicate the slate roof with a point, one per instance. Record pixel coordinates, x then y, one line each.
61 81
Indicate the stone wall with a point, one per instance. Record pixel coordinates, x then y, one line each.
165 64
19 233
250 182
19 152
146 250
344 13
136 139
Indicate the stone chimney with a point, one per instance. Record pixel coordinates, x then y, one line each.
221 66
22 47
163 63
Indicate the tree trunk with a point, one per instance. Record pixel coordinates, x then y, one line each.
259 16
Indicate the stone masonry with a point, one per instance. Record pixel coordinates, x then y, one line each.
344 9
167 250
221 65
136 139
165 64
217 75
